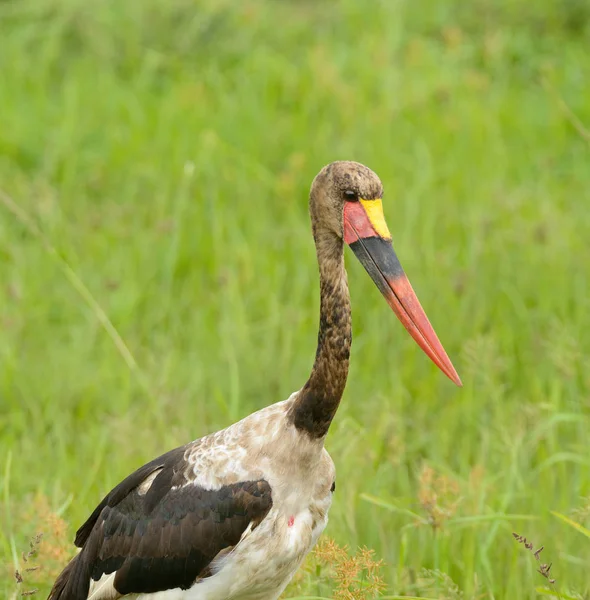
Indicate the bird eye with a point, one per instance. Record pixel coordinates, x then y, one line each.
350 196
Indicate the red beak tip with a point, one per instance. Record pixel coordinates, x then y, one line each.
456 380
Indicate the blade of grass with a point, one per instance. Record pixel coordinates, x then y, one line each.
555 594
79 286
583 530
391 507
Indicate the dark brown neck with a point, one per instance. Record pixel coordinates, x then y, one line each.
318 400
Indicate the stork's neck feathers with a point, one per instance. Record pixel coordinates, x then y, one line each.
317 402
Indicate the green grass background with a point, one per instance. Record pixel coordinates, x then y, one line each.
165 150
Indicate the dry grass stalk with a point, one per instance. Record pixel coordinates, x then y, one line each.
350 577
55 547
438 496
544 568
30 555
48 552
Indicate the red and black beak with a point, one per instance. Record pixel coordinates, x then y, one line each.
366 232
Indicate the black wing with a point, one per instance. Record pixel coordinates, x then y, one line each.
163 538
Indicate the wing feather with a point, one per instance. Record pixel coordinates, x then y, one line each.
161 535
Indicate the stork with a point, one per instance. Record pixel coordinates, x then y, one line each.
234 513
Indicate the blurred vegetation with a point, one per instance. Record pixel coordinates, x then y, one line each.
155 161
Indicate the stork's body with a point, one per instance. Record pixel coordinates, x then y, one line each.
287 515
233 514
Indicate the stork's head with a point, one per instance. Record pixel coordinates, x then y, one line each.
346 202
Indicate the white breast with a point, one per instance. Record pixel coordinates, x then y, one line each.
265 560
